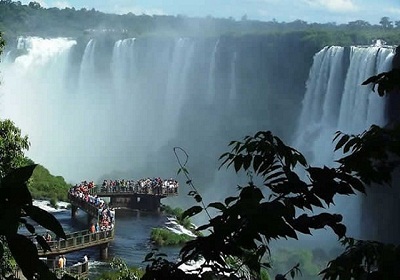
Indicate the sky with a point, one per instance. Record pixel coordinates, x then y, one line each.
321 11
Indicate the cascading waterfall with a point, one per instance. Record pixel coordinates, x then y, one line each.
334 101
211 74
177 82
93 110
122 63
88 69
117 108
233 91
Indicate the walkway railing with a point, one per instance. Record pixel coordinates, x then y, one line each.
118 190
78 271
76 241
91 209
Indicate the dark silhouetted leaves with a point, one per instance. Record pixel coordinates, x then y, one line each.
42 242
217 205
45 219
191 212
386 81
25 254
30 228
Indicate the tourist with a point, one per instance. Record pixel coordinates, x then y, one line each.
92 228
60 262
47 236
64 261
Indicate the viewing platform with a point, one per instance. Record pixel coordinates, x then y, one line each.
133 199
84 239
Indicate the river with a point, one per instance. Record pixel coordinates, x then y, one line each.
131 243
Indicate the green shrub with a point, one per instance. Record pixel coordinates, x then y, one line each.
165 237
44 185
53 202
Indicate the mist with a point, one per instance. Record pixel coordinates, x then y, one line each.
105 108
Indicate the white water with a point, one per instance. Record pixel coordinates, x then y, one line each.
334 101
99 108
123 107
211 74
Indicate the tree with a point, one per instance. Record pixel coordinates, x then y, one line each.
283 206
34 5
359 24
12 147
15 207
386 23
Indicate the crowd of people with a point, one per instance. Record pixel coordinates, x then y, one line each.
155 186
106 215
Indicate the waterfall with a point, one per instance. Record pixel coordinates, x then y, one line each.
97 107
232 90
122 65
87 69
177 82
32 95
335 100
211 74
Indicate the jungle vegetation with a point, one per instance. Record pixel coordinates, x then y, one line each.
17 19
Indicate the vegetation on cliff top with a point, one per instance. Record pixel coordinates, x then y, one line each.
32 19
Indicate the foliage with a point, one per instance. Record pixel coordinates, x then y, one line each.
121 271
177 213
12 147
15 207
17 19
284 206
365 260
310 267
44 185
165 237
386 81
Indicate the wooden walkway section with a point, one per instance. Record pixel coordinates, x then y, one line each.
77 241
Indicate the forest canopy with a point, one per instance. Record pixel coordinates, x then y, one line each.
17 19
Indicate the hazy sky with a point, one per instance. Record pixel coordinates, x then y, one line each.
339 11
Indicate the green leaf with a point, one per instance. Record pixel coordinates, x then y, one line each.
191 211
257 162
30 228
45 219
230 199
9 219
42 242
238 163
192 193
24 253
18 176
1 249
148 256
203 227
217 205
247 161
198 198
342 141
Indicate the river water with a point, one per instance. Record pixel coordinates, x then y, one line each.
131 243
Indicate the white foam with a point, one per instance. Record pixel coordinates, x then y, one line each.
45 205
173 226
